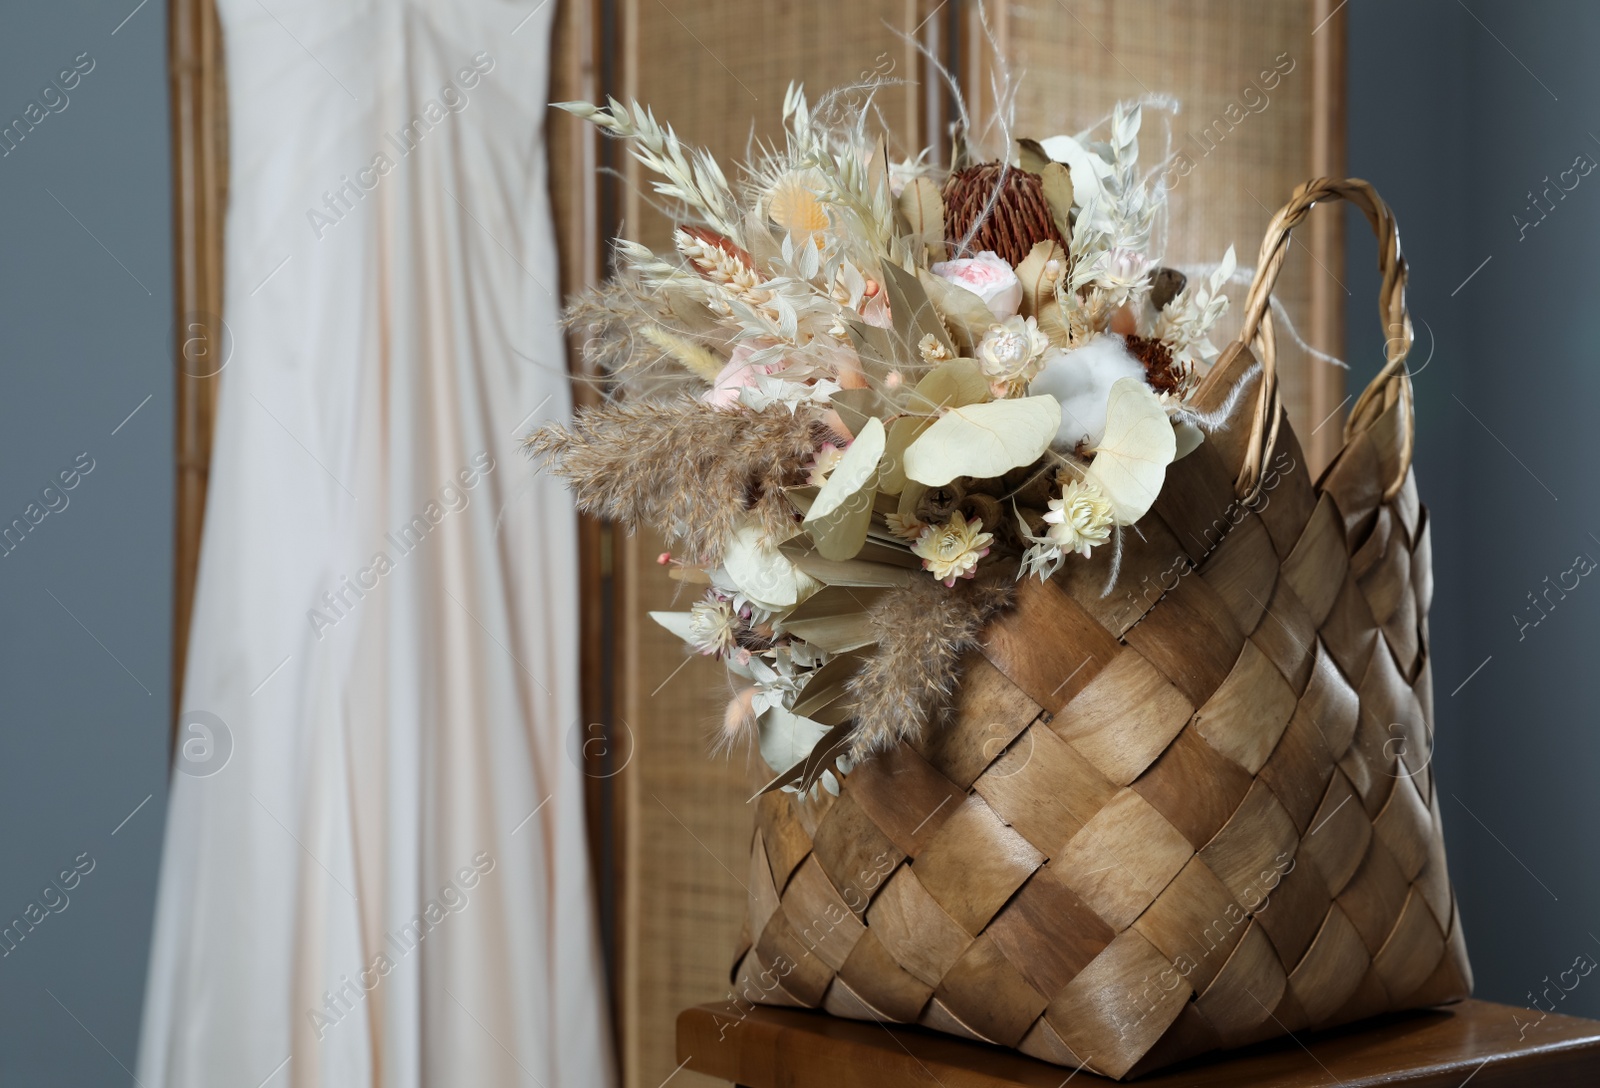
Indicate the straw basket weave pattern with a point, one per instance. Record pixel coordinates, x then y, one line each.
1194 813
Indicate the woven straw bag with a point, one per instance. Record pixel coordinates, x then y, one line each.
1192 814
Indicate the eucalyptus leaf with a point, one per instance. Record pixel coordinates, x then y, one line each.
676 622
1087 169
1131 463
839 518
923 209
1038 286
950 385
760 570
841 534
913 313
1057 185
787 739
984 440
855 471
967 314
1031 155
856 406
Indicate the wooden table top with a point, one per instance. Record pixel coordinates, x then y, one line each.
790 1048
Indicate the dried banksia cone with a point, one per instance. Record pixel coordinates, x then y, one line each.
1010 223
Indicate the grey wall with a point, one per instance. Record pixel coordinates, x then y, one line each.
1455 114
85 312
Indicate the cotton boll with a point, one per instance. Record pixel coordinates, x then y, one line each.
1081 380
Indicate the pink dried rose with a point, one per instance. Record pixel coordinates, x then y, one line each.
737 373
989 277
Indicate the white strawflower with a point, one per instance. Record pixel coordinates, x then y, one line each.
952 550
1080 519
1013 350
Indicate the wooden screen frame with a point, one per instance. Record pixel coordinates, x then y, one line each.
199 200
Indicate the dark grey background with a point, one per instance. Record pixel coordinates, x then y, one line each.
85 701
1454 119
1456 112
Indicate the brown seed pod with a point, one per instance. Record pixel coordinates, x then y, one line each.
939 502
1012 222
1165 285
1030 485
985 508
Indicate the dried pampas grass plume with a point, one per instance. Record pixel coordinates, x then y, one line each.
923 629
693 471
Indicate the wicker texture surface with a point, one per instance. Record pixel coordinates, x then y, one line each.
1192 814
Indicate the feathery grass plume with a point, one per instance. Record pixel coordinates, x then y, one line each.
694 472
909 681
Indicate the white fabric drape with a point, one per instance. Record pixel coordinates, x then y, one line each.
385 883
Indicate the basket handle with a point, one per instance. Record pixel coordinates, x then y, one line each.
1392 383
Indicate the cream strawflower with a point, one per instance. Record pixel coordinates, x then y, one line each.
1080 519
905 526
952 550
1013 350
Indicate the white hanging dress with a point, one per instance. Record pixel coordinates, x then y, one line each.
375 871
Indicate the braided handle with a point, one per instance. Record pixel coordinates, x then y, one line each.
1391 383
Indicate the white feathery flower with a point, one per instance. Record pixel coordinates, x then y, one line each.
714 626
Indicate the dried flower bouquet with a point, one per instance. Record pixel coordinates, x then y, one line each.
865 397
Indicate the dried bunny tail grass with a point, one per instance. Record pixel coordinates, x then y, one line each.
910 679
693 472
694 358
